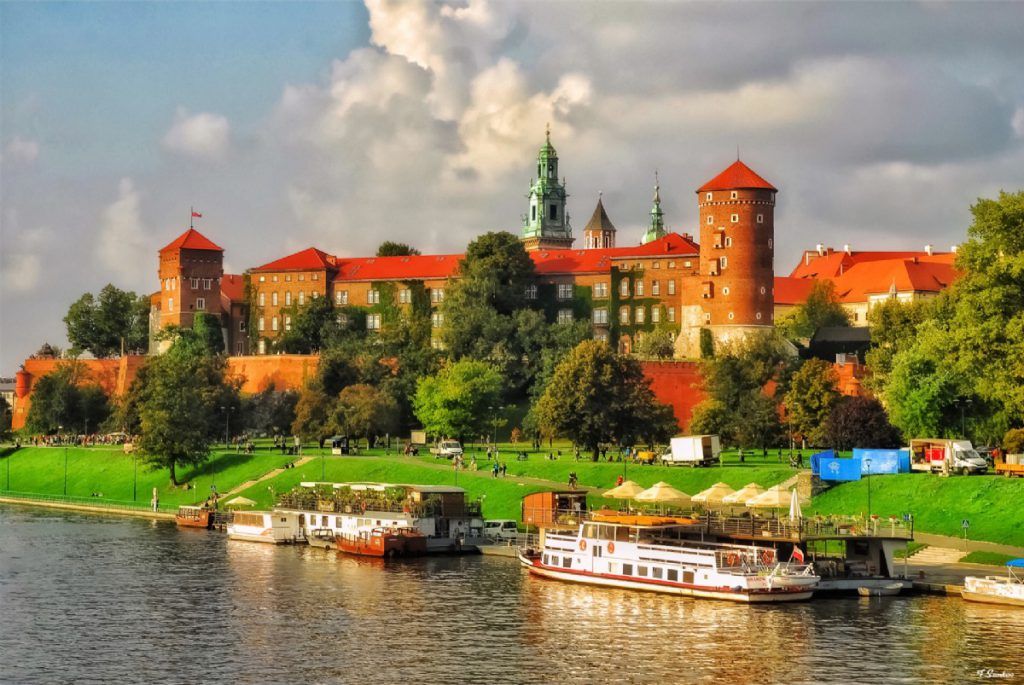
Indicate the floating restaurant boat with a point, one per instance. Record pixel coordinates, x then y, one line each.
274 527
652 553
384 542
1008 589
385 519
194 517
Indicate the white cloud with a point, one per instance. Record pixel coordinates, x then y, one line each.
23 150
21 271
123 246
203 135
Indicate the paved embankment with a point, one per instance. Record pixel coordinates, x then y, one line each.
89 508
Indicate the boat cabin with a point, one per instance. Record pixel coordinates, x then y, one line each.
561 507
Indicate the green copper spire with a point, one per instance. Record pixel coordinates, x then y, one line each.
547 225
657 227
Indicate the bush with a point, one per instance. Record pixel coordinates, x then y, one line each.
1013 441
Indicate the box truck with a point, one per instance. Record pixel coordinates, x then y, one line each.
693 450
951 456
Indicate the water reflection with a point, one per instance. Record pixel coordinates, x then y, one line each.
118 600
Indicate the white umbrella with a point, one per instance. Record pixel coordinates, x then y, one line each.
663 493
239 502
713 495
748 491
628 490
794 507
775 497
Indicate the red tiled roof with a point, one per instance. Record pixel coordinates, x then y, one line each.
232 286
792 291
737 177
834 263
192 240
310 259
903 275
413 267
547 262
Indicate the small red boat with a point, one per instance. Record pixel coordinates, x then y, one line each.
384 542
194 517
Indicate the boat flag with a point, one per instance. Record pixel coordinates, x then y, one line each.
798 555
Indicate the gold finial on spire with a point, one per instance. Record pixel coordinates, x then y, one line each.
547 131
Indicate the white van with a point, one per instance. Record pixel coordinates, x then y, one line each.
447 448
501 530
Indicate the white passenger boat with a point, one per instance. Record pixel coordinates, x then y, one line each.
274 527
1008 589
651 553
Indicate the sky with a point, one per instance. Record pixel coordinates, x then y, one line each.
340 125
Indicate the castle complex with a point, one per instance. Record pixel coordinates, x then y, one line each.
664 283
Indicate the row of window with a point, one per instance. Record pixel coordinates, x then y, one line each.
288 278
633 315
193 282
274 301
733 218
404 296
200 304
636 570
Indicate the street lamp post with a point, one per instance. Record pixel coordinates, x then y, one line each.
963 417
135 476
60 429
867 464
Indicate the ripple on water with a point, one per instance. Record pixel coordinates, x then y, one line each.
102 599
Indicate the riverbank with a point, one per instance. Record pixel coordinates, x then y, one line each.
105 508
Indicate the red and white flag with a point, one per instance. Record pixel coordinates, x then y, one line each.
196 214
798 555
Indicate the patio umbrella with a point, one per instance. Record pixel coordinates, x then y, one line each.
663 493
794 507
748 491
239 502
628 490
775 497
713 495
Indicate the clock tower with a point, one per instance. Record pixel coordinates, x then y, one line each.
546 225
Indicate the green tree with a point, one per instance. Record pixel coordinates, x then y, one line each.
821 309
313 325
596 396
312 412
270 410
179 401
456 402
813 392
657 345
859 422
392 249
100 324
67 398
5 418
208 330
364 411
893 328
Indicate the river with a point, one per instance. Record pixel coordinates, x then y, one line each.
102 599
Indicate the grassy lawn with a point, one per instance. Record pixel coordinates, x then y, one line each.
502 497
109 471
989 558
938 504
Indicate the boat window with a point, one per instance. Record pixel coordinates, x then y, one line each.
566 562
621 534
627 569
546 558
323 521
641 571
687 576
673 574
656 572
590 531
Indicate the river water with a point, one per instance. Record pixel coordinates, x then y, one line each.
98 599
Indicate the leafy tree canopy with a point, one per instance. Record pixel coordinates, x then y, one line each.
596 396
458 401
364 411
813 392
99 323
67 400
859 422
392 249
270 411
822 308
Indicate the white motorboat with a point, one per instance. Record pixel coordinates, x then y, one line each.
886 590
1008 589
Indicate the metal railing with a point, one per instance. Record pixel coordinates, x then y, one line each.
98 502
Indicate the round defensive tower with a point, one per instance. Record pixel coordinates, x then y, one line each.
737 246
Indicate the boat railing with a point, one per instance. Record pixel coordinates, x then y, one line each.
805 528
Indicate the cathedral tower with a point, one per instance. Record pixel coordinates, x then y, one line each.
546 226
656 229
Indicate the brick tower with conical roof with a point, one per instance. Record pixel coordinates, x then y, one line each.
737 247
599 231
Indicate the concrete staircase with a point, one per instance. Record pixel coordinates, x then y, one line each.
936 556
266 476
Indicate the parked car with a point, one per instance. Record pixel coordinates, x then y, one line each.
501 530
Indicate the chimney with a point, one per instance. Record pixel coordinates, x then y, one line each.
928 249
846 248
821 249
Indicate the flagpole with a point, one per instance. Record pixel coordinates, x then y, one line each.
191 217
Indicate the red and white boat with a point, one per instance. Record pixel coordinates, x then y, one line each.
651 553
383 542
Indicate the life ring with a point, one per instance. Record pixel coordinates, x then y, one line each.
767 557
732 560
583 545
611 548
